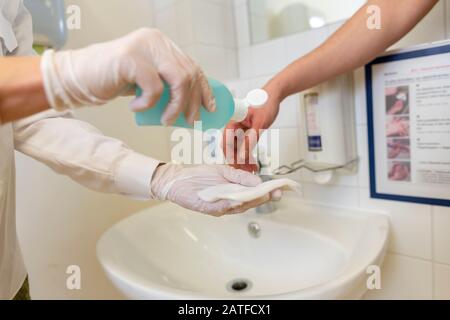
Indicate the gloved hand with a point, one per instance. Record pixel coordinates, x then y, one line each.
101 72
180 184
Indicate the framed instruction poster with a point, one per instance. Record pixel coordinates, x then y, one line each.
408 99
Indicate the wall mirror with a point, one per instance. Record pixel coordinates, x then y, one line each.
271 19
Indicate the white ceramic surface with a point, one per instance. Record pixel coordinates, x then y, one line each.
303 252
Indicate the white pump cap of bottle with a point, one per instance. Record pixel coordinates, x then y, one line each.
255 99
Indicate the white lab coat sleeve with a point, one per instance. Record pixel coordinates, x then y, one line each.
75 148
80 151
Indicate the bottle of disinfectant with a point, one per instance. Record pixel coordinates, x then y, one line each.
227 108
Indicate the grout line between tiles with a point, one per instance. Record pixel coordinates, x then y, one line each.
410 257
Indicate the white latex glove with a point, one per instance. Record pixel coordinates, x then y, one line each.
180 184
101 72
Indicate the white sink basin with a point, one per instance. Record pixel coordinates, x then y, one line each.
302 252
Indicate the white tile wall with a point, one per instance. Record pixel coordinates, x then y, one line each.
360 96
164 20
213 23
185 27
300 44
161 4
245 63
288 117
205 29
265 59
289 147
242 25
432 28
441 222
239 88
404 278
418 263
410 225
441 282
363 153
217 62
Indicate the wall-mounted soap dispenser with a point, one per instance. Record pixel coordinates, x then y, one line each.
328 131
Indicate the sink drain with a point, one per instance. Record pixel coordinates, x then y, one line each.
239 285
254 229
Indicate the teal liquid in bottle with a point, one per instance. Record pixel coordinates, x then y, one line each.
225 109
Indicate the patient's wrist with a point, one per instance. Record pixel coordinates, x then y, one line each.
276 91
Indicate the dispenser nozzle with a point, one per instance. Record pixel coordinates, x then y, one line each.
256 99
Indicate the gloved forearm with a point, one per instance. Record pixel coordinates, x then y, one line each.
101 72
78 150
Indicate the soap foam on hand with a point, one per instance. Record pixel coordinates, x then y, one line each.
243 194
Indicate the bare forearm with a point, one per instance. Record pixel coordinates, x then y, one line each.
351 46
21 88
